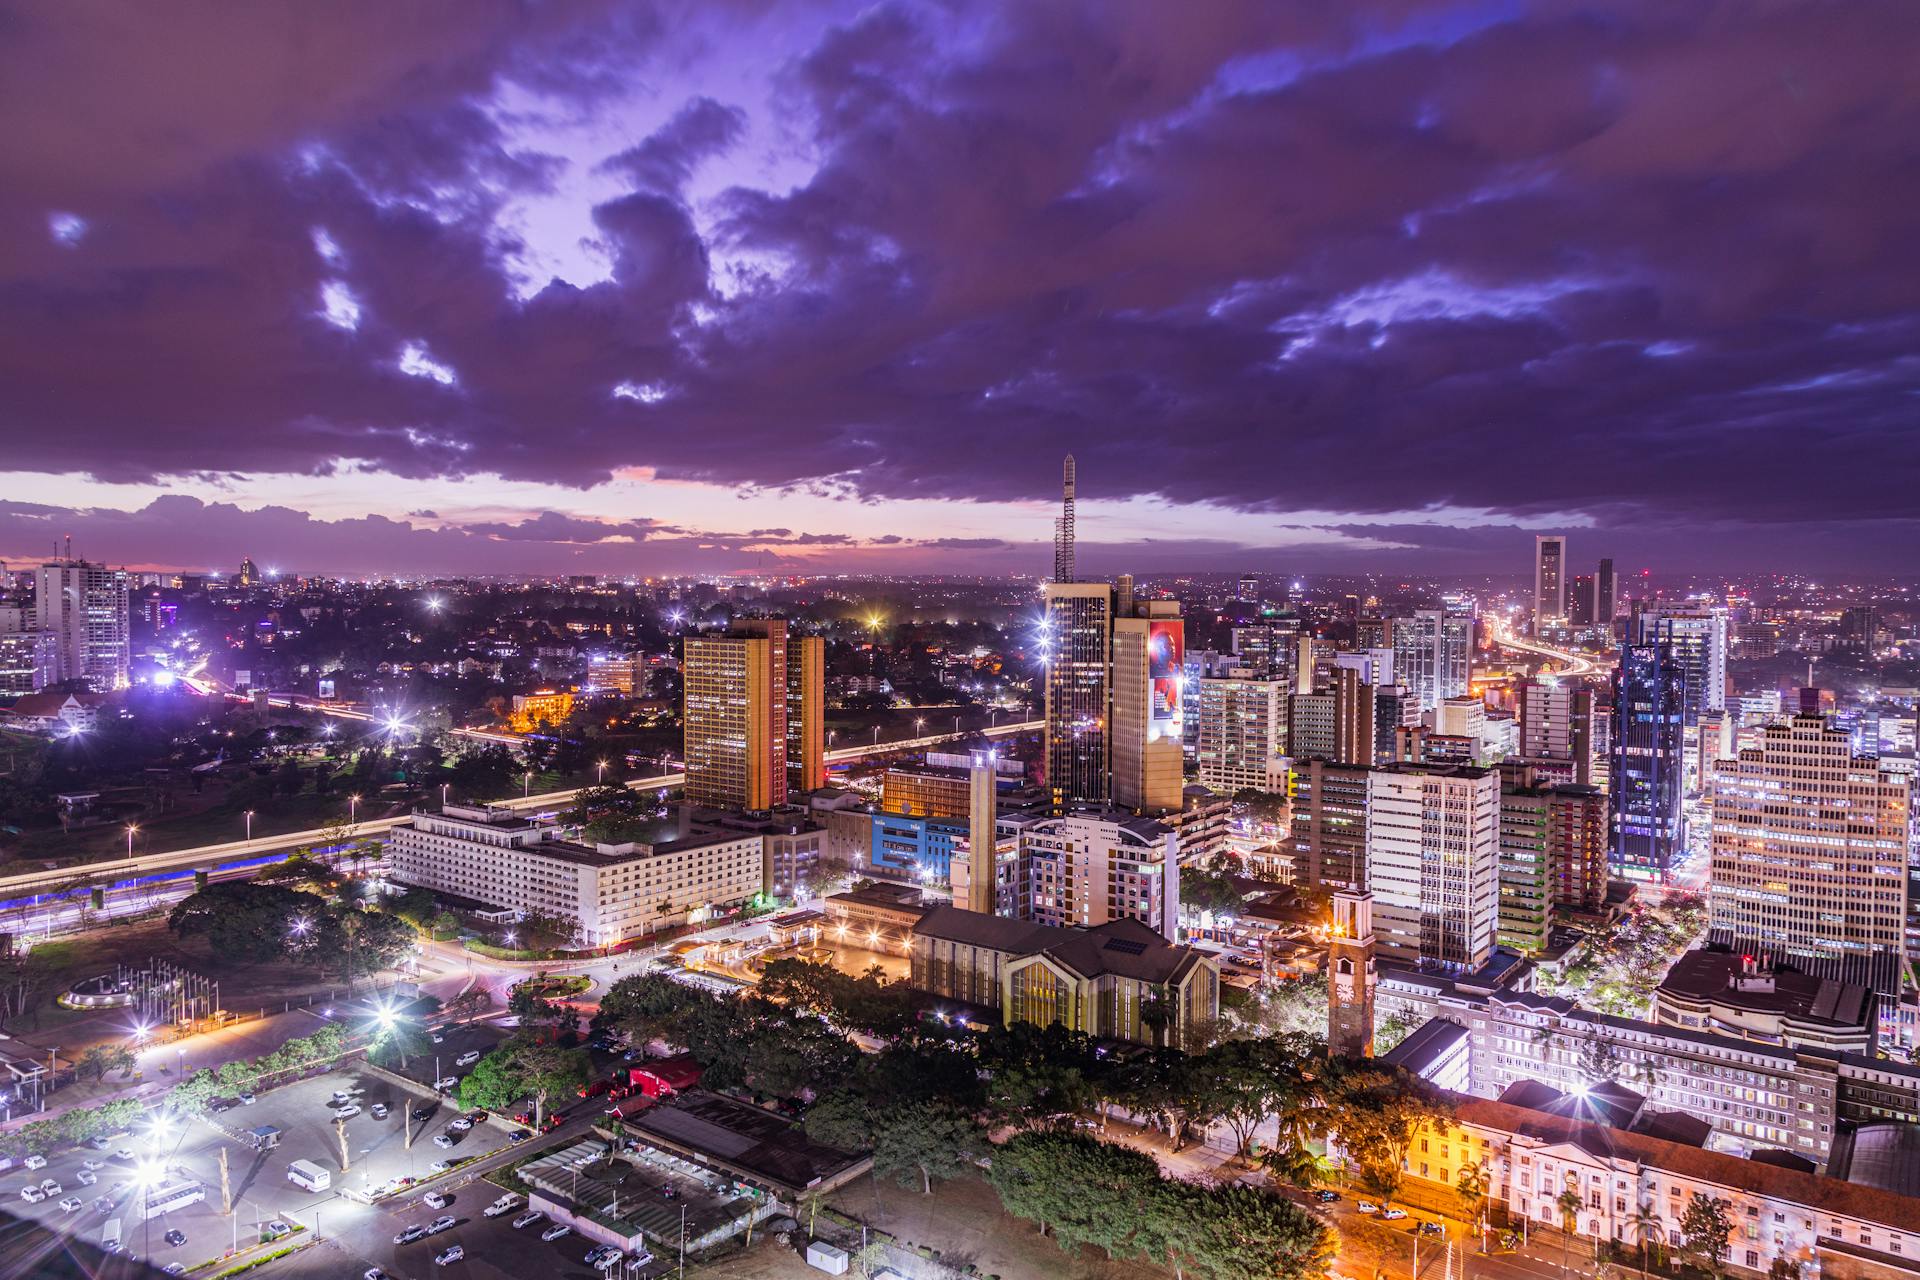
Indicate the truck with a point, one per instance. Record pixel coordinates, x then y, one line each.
307 1174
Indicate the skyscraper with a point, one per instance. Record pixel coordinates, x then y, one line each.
1549 579
1329 838
1696 635
1810 853
1149 642
1079 691
1647 763
751 713
1063 526
85 606
1433 655
1433 863
1605 593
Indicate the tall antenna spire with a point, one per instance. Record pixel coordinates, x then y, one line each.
1063 527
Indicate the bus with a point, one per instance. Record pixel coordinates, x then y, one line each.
305 1173
172 1196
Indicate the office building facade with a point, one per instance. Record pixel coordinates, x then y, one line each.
1696 639
1646 763
1433 863
1329 834
1549 580
1242 735
1811 852
84 605
752 710
1433 655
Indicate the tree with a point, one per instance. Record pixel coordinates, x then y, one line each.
249 922
1237 1232
1377 1110
1375 1240
926 1139
92 1064
1471 1189
1568 1203
494 1084
1084 1190
1648 1228
548 1071
1704 1230
399 1041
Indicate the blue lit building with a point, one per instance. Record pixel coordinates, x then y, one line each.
1649 716
909 847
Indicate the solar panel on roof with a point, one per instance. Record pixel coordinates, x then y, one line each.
1125 946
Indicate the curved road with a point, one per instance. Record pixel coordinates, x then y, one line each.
1572 665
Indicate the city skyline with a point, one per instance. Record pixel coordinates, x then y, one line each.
611 288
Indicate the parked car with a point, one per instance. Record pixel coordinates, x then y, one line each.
32 1194
477 1115
246 1099
86 1177
519 1135
442 1223
35 1162
505 1204
378 1111
347 1112
435 1200
467 1059
1432 1229
341 1095
51 1188
555 1231
442 1141
410 1234
439 1037
91 1164
447 1083
460 1126
70 1205
424 1113
527 1219
176 1237
103 1205
1326 1197
439 1167
449 1255
1394 1215
174 1269
276 1229
1365 1206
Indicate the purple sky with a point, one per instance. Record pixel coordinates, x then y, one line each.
479 285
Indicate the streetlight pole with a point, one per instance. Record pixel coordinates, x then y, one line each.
131 828
353 813
249 824
526 784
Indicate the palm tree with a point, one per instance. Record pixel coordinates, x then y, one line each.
1568 1204
1471 1187
1647 1226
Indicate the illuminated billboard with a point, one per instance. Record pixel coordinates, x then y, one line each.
1166 656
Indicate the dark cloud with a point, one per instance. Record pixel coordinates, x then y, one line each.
1648 266
664 161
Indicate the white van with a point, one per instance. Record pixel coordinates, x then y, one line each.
307 1174
110 1234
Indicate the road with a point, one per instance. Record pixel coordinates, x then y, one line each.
1572 665
25 887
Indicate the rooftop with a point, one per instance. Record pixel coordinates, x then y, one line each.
746 1141
1714 974
1125 947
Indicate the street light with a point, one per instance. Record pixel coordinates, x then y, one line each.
131 828
249 824
600 771
526 784
353 811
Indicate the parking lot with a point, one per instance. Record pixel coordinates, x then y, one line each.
443 1059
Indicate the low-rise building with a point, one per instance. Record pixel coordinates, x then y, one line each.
501 858
1749 997
1119 980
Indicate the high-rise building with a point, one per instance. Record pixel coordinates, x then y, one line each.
1148 763
1242 733
1063 526
1433 863
1556 723
1078 691
1353 717
1580 600
1254 647
28 660
1394 708
1810 853
1553 858
1647 762
1696 635
1312 719
248 575
1088 868
1329 837
752 713
1247 590
1433 655
1606 597
1351 976
85 606
1549 579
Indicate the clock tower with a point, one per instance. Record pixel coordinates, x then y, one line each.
1350 977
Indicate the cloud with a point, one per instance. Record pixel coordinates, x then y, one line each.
1651 267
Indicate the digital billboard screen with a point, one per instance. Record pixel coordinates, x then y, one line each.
1166 656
